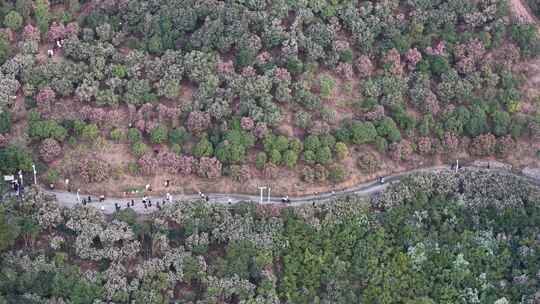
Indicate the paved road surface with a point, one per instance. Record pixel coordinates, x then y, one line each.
69 199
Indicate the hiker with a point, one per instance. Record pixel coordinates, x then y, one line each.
167 182
84 202
149 203
101 198
229 201
207 198
127 205
313 203
51 185
89 199
50 53
145 206
132 203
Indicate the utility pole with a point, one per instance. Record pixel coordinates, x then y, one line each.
35 172
262 188
269 194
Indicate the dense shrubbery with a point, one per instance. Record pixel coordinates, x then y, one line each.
220 80
445 238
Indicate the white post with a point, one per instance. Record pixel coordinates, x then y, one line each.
35 172
269 194
262 188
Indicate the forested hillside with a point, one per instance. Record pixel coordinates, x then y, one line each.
111 94
472 237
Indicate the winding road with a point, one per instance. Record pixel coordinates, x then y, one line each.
69 199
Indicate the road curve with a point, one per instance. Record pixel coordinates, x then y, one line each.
69 199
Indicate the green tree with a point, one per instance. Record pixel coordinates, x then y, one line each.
5 49
386 127
501 123
290 158
310 157
275 157
41 11
13 20
134 135
13 159
9 230
362 132
312 142
5 122
117 135
324 155
139 148
203 148
178 136
260 160
158 134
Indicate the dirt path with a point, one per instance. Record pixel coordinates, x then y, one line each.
522 12
70 200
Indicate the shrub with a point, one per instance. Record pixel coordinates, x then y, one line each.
369 163
117 135
308 174
341 150
94 170
483 145
209 167
148 164
198 122
49 150
240 173
321 173
90 132
337 173
52 176
381 144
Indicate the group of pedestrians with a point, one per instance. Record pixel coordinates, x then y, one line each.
204 196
